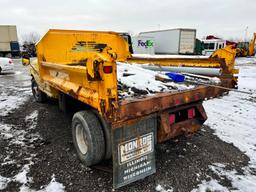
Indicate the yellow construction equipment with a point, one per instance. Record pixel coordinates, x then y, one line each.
245 49
252 45
79 68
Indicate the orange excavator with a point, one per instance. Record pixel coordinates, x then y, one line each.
251 45
245 49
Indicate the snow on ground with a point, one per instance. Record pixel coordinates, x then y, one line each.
234 121
53 186
240 182
245 60
22 177
233 116
9 103
212 185
12 96
159 188
17 138
246 182
3 182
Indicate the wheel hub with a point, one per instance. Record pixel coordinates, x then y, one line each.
81 138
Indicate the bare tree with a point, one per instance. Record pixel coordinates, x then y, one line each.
31 38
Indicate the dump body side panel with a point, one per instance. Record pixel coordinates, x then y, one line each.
74 62
73 47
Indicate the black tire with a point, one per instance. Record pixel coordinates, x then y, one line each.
88 137
107 135
0 70
39 96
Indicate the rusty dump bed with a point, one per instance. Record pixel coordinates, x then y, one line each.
163 104
83 64
132 109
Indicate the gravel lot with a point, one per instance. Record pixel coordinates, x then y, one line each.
35 140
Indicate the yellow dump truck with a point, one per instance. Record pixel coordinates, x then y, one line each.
95 73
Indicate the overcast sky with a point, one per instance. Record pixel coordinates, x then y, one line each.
225 18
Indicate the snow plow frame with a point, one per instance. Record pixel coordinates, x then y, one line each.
221 58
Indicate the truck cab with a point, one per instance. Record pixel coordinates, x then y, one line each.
212 45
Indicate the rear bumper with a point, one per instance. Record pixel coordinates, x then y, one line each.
167 131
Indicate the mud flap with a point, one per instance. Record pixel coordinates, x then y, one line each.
134 151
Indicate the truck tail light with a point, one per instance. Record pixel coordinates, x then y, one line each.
172 118
191 113
107 69
10 61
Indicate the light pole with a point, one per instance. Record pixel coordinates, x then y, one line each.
246 34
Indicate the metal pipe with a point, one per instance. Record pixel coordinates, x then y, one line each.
220 87
193 70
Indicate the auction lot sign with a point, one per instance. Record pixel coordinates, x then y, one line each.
134 151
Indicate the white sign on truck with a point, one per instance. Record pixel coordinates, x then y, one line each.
132 149
173 41
143 45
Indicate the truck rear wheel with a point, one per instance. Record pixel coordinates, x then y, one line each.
39 96
88 137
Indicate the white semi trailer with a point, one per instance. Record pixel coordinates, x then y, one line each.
173 41
9 45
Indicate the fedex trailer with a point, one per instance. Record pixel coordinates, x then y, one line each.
143 45
173 41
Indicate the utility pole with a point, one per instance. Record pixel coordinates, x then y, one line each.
246 34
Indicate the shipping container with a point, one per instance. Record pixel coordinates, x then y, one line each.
8 33
5 47
143 45
9 45
173 41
